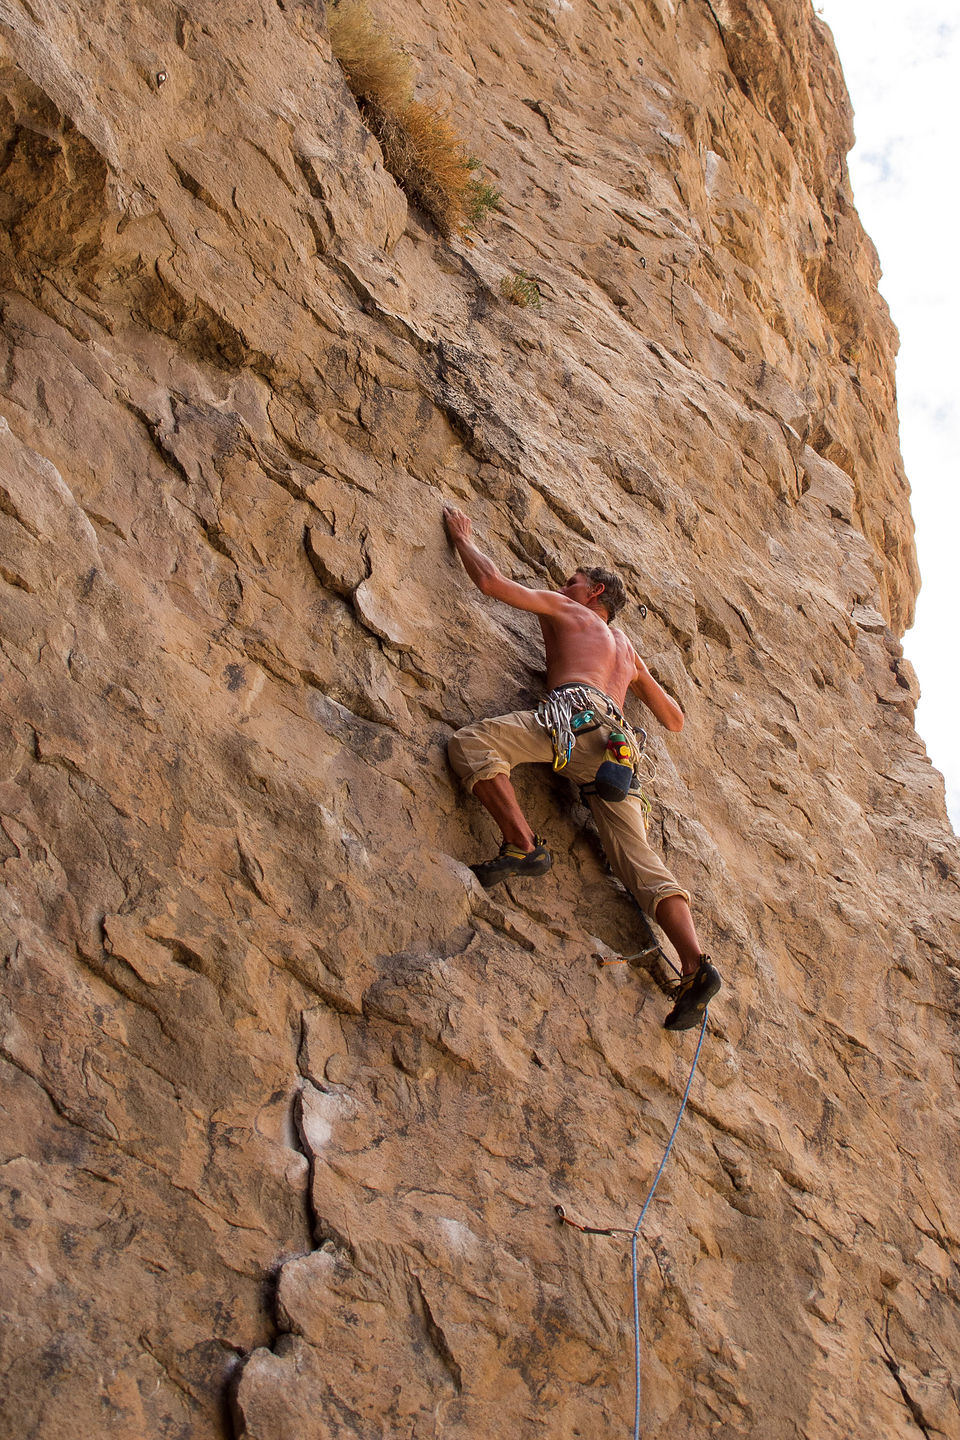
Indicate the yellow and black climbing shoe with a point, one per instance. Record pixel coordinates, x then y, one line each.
692 996
514 861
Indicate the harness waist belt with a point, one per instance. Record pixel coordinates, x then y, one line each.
556 713
581 685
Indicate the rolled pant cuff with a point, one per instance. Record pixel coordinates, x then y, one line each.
489 772
666 893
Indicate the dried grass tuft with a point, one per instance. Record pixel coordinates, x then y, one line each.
421 148
377 70
521 289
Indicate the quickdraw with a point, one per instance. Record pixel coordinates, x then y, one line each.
558 713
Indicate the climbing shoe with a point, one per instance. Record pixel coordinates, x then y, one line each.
514 861
692 996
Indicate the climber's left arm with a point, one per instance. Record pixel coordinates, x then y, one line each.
664 707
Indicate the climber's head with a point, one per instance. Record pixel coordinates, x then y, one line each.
597 588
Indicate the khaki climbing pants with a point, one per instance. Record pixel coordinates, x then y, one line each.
492 747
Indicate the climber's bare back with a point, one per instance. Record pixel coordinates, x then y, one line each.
581 646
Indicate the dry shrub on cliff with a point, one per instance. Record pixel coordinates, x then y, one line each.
421 149
376 69
425 154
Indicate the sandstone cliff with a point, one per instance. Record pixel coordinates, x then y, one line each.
288 1100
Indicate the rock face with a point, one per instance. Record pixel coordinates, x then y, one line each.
288 1100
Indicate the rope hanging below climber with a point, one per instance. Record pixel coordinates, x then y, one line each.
634 1234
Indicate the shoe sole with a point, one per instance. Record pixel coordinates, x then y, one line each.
688 1018
530 872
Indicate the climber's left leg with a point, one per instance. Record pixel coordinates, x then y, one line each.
673 915
623 834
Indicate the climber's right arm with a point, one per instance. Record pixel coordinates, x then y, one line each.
488 578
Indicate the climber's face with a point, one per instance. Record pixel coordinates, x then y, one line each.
579 588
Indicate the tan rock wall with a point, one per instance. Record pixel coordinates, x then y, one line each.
288 1100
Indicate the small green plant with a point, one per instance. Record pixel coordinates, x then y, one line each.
421 149
523 290
482 197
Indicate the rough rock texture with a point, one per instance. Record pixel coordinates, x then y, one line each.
288 1101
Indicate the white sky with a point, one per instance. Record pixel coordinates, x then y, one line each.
902 66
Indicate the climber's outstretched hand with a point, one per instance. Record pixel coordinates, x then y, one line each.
459 526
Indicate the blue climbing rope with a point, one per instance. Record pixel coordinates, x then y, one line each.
635 1235
635 1232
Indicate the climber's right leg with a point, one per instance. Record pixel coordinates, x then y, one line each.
499 799
483 755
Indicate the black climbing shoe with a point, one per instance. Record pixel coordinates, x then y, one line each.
692 996
514 861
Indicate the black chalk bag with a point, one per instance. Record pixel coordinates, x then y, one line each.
615 776
613 781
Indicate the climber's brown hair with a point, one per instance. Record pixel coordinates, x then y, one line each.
614 595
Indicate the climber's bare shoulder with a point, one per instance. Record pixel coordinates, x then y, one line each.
582 647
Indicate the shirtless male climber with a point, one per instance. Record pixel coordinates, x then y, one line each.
590 667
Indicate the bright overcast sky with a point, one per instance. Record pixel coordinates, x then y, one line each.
902 66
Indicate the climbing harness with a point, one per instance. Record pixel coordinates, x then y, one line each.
573 710
635 1232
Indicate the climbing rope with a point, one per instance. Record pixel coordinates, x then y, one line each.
635 1232
636 1229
